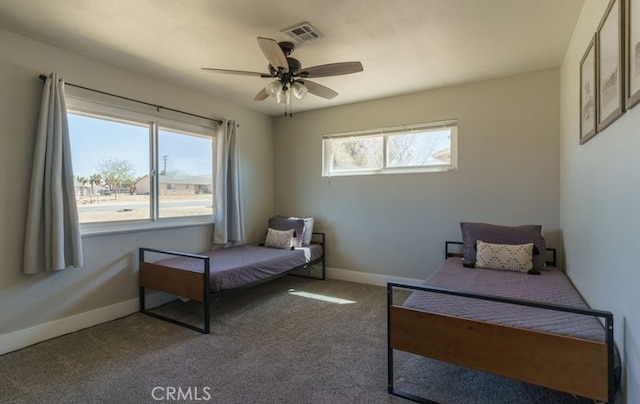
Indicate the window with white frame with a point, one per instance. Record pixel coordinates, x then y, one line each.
426 147
136 170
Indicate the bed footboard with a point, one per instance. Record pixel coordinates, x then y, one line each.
573 365
187 284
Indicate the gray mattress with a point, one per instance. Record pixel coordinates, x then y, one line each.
235 267
551 286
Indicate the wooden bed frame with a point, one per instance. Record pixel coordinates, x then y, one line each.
573 365
196 285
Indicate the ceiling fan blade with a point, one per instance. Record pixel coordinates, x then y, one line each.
319 89
273 53
331 69
262 95
237 72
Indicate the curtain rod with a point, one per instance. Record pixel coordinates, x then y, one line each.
158 107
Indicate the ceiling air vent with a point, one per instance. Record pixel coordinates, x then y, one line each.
302 32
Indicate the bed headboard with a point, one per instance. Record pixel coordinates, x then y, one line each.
454 249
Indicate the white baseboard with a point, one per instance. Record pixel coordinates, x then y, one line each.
42 332
367 278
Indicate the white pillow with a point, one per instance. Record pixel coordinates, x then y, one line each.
307 231
279 238
504 256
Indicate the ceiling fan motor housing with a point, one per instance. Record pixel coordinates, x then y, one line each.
287 47
287 77
294 64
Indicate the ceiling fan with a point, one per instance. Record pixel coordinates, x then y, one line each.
290 77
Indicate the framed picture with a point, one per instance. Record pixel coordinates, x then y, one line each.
609 66
632 52
588 92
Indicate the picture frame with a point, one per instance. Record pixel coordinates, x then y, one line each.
632 52
610 66
588 93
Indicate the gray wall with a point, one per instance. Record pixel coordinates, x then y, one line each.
109 277
396 224
599 205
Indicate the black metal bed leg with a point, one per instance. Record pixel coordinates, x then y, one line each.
142 301
390 365
141 289
389 370
207 295
389 349
324 256
207 315
610 357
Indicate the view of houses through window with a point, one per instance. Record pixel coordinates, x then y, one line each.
113 160
185 178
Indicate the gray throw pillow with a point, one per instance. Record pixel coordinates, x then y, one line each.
308 228
491 233
285 223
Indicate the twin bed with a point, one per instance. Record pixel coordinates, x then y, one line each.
529 326
201 277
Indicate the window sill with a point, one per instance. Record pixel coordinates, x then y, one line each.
384 171
107 229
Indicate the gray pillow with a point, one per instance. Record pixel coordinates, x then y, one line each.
282 239
308 228
491 233
286 223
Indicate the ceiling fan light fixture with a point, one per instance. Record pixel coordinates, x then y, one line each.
283 97
274 88
299 90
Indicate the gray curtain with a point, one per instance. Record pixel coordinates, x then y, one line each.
52 239
229 217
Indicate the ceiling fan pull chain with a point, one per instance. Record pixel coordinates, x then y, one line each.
290 103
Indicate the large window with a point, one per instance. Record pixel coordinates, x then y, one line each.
134 170
413 148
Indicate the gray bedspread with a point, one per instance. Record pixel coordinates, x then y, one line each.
551 286
235 267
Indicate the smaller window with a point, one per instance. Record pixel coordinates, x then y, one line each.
425 147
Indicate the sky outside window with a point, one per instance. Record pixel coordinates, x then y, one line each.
94 140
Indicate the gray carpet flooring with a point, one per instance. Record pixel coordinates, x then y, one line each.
268 345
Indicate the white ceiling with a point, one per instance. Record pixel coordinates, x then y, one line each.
404 45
